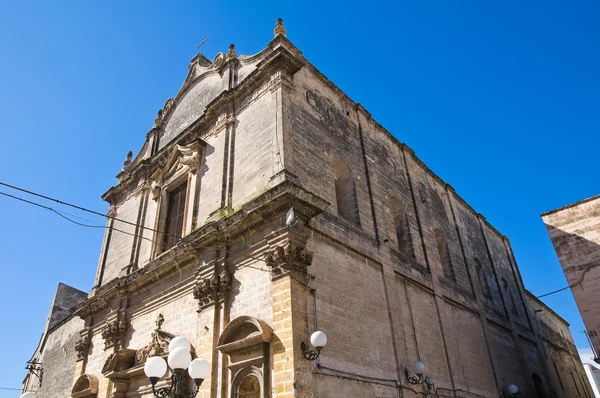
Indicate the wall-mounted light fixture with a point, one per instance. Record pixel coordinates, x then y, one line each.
513 389
35 367
414 373
178 360
318 340
291 219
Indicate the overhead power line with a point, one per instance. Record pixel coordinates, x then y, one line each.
63 215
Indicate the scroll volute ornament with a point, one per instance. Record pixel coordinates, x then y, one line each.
285 259
159 343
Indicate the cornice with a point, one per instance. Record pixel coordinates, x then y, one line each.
266 208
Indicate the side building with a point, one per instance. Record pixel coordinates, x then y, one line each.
382 255
575 233
51 367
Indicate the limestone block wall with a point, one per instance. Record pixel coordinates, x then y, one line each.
58 357
470 325
575 234
567 374
237 164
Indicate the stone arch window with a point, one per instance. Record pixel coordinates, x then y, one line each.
444 253
247 341
402 228
345 191
86 386
483 280
175 186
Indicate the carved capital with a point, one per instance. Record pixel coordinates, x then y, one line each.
114 333
211 290
284 260
82 346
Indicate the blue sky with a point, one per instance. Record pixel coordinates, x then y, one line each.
500 99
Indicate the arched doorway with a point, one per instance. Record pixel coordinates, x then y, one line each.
538 386
249 388
247 342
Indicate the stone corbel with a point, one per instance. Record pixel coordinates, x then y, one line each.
82 346
190 155
114 332
209 291
289 258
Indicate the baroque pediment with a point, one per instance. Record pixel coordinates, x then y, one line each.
159 343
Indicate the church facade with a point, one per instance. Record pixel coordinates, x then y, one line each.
380 254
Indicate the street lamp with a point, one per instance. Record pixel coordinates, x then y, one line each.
414 373
318 340
513 389
179 359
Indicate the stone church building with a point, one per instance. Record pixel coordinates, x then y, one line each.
380 254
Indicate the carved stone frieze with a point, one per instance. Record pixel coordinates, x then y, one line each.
284 260
114 332
211 290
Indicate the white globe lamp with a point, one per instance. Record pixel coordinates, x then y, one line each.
179 358
199 369
155 368
179 342
318 340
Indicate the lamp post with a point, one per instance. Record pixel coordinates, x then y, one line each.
179 360
318 340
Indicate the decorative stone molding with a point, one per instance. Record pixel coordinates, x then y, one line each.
211 290
231 53
159 343
284 260
82 346
114 332
158 121
218 60
168 108
127 161
279 28
86 386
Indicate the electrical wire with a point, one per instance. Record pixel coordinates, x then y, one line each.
64 216
62 202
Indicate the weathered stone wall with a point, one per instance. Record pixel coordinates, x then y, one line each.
575 234
58 358
567 374
411 273
481 298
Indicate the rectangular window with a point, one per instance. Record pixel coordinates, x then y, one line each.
175 216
